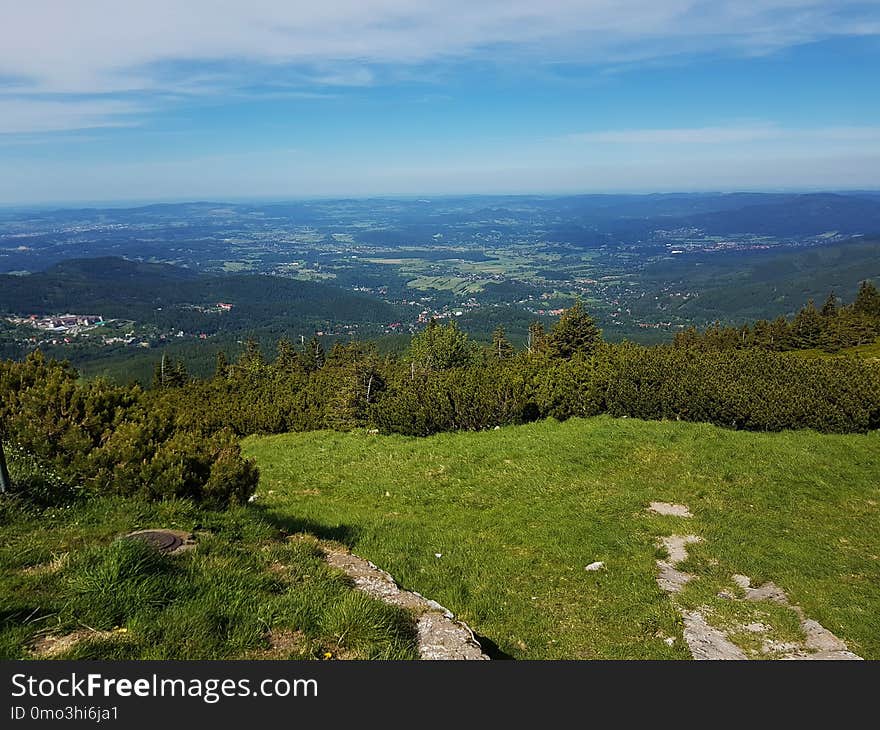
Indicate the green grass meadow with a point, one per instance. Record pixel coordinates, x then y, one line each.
499 525
244 592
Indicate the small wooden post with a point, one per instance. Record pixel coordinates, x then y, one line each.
5 481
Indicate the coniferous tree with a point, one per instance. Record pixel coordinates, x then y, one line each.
780 337
833 336
537 342
575 333
807 327
762 335
159 372
252 360
313 355
287 359
358 381
829 308
501 347
5 481
867 301
180 375
689 337
221 368
169 373
441 347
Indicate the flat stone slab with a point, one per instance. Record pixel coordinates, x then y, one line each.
676 546
819 638
667 508
443 638
706 642
440 635
376 582
824 656
768 591
819 643
669 577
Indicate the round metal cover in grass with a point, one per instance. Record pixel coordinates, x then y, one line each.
167 541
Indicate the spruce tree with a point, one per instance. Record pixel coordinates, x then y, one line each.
780 334
807 327
179 374
867 300
537 343
762 335
169 373
5 481
252 358
159 372
221 368
313 355
575 333
829 309
286 358
442 347
501 347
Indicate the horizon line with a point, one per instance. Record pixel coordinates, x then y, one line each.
69 204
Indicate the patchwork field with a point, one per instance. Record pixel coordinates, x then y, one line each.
455 284
500 525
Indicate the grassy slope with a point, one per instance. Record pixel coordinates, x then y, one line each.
243 592
517 513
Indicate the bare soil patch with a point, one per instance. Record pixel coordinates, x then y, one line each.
49 646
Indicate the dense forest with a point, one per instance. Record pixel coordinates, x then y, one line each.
169 296
179 438
831 328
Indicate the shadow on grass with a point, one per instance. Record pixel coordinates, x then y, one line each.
345 534
16 616
348 536
491 649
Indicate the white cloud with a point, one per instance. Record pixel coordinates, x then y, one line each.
65 53
103 46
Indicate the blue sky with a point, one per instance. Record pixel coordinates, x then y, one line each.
163 100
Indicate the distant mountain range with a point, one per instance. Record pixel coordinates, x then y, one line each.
776 213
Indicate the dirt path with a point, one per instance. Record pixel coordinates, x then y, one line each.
706 641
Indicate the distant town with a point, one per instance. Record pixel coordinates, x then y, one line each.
61 323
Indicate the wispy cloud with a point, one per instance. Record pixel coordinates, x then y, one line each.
98 47
28 116
723 135
694 135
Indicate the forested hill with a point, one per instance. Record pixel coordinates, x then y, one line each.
171 296
800 215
